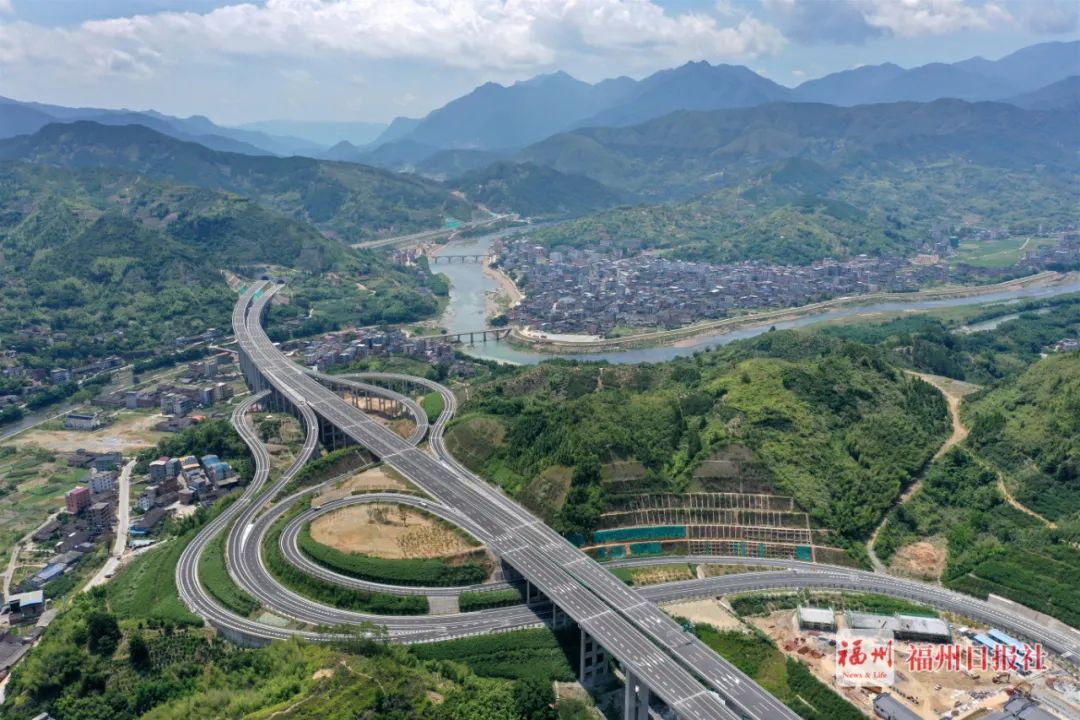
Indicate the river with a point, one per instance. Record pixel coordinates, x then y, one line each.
467 311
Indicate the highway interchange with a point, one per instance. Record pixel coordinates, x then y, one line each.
689 677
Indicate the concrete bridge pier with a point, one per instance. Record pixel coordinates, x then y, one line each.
635 698
510 573
533 595
331 437
559 618
594 666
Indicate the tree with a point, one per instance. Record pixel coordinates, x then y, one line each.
693 442
535 699
139 652
103 633
269 428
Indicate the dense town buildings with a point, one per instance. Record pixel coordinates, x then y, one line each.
599 289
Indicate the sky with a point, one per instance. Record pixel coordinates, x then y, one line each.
372 60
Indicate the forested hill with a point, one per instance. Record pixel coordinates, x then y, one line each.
97 262
1030 428
685 153
796 183
534 190
825 421
351 201
1003 509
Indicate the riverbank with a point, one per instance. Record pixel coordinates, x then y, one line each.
505 296
686 336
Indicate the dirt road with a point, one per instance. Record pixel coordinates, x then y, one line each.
954 392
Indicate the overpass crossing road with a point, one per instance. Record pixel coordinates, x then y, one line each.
650 645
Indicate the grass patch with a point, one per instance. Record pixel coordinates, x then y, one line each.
652 574
330 465
473 440
546 494
471 601
763 603
787 679
215 578
433 405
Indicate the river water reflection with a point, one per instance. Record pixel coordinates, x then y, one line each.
467 311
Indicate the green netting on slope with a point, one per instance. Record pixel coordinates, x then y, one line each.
658 532
646 548
576 539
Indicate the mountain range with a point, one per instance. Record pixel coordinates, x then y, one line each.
494 121
350 201
796 182
501 119
686 153
23 118
324 134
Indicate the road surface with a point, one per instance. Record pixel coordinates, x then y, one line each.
123 521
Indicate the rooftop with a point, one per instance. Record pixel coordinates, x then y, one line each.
870 621
35 597
922 625
821 616
893 708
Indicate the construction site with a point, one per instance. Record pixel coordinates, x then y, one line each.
809 635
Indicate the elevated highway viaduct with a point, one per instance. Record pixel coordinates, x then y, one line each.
657 655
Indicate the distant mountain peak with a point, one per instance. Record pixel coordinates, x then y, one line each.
553 77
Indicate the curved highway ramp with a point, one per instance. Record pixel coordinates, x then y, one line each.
656 651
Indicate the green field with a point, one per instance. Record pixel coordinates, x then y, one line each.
32 486
470 601
433 405
765 603
999 253
473 439
514 655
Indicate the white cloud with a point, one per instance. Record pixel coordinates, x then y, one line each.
1051 17
497 35
856 21
6 8
910 18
